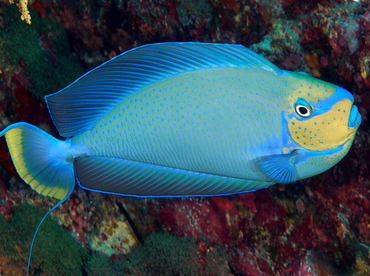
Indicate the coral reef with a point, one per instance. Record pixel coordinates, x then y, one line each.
320 226
116 238
6 268
38 53
25 14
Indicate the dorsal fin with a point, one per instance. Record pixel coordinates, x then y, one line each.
81 104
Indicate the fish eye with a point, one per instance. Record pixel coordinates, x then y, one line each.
303 110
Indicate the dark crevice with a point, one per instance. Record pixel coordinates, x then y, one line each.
130 221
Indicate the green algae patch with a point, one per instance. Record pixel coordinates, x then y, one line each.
98 264
160 254
55 251
41 48
164 254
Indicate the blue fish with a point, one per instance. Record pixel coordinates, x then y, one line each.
185 119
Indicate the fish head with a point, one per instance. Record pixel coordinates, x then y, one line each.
322 120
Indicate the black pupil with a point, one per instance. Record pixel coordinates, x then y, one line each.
303 110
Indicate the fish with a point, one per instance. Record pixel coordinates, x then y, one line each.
185 119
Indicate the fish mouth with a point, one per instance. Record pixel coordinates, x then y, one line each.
354 117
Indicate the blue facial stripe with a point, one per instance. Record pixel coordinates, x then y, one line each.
304 154
325 105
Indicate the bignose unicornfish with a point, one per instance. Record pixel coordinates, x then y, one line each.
185 119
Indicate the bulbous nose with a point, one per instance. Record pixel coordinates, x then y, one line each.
354 117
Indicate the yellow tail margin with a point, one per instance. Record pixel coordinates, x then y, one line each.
40 159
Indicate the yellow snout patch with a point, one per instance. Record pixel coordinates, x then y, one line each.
325 131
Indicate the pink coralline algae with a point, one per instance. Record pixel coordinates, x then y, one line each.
347 37
320 226
313 263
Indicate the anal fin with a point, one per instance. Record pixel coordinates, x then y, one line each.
124 177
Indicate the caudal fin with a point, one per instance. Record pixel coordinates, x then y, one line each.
42 161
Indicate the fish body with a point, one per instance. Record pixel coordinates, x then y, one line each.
186 119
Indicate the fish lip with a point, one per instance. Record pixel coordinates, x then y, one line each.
355 118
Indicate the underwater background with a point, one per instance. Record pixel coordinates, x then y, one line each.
319 226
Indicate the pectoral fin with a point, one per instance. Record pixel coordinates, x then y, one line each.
280 168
